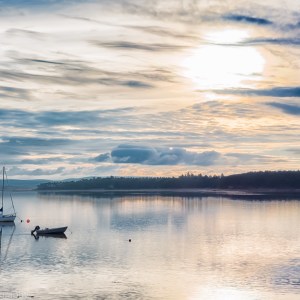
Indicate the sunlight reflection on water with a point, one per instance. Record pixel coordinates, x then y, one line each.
181 248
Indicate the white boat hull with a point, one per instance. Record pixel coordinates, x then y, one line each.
7 218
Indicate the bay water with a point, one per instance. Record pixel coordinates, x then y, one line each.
151 247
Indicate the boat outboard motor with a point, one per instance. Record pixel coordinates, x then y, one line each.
35 229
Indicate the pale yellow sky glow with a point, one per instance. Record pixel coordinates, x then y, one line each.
226 36
208 87
222 67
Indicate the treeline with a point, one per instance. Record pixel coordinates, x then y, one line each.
267 179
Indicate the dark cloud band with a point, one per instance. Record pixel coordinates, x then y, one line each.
286 108
161 156
247 19
273 92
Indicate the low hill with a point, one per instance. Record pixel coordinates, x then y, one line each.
18 184
251 180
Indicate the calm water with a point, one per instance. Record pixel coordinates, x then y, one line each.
181 248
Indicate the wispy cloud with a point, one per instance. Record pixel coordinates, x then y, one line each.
14 32
246 158
15 93
263 41
293 91
102 157
295 151
292 41
38 4
16 147
291 109
138 46
151 29
294 26
46 119
35 172
247 19
70 78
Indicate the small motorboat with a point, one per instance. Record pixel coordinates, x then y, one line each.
46 231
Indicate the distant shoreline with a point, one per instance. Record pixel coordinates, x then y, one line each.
246 184
247 193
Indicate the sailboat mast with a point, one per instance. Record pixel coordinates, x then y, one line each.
0 241
11 199
2 186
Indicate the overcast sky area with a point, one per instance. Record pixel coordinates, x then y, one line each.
148 88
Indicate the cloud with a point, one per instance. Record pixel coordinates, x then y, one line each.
35 172
291 109
26 3
16 93
246 158
138 46
154 30
273 92
163 32
292 41
32 142
161 156
131 154
42 161
137 84
47 119
43 61
131 56
24 32
265 41
57 118
247 19
42 151
293 26
295 151
70 72
37 3
69 77
102 157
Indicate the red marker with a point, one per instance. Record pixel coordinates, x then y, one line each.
28 221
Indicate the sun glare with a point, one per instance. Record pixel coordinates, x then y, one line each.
219 66
229 36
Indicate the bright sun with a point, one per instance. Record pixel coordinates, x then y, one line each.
222 63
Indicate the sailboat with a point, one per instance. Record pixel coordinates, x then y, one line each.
6 217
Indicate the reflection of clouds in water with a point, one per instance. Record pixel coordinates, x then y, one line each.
197 244
138 222
287 274
146 221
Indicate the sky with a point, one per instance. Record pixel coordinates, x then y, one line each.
148 88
